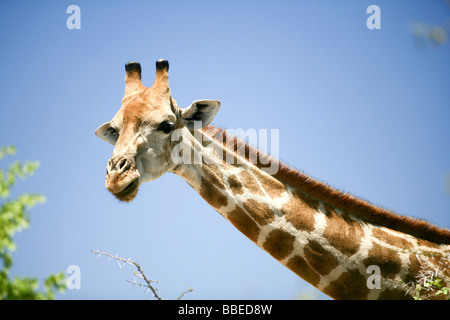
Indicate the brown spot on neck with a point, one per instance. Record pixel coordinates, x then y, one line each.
303 270
259 211
400 243
319 258
388 260
250 183
273 187
240 219
279 244
211 187
344 235
235 185
350 285
299 212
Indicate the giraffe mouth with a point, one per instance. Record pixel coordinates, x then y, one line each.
129 192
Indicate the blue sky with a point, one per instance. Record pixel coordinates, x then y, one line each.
365 110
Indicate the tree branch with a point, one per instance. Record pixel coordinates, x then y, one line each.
139 273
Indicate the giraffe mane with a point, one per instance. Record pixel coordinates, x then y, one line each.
325 193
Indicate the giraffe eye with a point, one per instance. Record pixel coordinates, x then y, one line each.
166 127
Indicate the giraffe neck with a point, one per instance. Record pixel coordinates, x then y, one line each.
331 249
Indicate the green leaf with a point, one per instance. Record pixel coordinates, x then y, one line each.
418 288
444 291
437 283
7 151
14 218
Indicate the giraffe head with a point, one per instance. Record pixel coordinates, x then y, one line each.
141 130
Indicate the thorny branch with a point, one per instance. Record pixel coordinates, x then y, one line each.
428 281
139 273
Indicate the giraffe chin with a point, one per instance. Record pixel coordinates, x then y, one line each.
129 193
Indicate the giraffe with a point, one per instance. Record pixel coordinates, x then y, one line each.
345 246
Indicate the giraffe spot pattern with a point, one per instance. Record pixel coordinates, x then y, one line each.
388 260
428 244
250 183
343 234
211 181
414 265
349 285
299 212
303 270
259 211
210 193
390 239
244 223
279 244
272 186
237 188
320 259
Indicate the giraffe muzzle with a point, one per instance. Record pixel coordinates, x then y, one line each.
122 178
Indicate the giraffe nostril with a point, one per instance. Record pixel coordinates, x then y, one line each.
122 164
118 165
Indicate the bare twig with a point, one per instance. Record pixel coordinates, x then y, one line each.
183 293
139 273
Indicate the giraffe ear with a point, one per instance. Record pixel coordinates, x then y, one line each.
200 110
107 132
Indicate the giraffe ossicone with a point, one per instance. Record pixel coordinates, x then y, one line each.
330 238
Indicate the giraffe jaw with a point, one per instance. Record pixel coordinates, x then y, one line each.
129 192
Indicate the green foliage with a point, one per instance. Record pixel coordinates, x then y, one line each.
14 218
431 284
440 290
